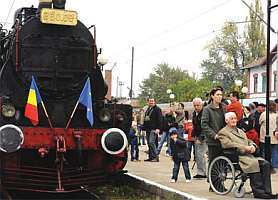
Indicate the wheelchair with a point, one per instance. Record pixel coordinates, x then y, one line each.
225 174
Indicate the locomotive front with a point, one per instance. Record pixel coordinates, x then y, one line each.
58 133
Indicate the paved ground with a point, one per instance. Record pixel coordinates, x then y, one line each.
160 172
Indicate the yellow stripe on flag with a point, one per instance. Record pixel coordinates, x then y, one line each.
32 98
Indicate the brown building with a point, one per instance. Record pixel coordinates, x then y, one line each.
108 79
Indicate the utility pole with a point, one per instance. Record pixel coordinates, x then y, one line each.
121 84
267 137
117 87
131 79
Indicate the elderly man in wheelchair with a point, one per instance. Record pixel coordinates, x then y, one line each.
238 163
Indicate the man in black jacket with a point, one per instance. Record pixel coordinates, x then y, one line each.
152 125
199 138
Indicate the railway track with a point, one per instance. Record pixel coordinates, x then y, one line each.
81 195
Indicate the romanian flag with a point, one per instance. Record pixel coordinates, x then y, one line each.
34 98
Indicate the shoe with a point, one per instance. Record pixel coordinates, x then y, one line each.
222 189
172 180
188 180
266 196
148 160
155 160
273 171
210 189
200 176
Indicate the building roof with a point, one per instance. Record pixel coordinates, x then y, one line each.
262 61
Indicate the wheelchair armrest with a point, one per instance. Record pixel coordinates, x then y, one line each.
231 153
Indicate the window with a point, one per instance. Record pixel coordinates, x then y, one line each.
255 76
263 82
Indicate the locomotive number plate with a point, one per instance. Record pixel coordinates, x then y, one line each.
59 17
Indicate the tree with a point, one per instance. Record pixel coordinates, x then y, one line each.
225 57
186 90
254 34
163 78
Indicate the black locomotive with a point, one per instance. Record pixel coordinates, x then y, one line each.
63 152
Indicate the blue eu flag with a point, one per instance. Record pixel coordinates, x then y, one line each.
86 99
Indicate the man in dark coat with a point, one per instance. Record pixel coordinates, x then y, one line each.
199 138
152 125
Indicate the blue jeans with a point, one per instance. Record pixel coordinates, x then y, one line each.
164 138
190 146
274 156
134 150
152 144
177 168
181 132
274 153
141 136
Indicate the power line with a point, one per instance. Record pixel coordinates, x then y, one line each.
10 10
155 36
174 28
249 7
178 44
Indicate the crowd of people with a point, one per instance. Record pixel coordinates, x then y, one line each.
214 124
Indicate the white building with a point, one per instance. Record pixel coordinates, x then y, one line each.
256 80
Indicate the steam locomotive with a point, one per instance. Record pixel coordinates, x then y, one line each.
48 60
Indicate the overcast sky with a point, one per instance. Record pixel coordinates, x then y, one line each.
170 31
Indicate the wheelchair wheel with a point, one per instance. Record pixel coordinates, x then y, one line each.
221 175
237 193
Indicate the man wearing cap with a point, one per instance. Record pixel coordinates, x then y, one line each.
259 110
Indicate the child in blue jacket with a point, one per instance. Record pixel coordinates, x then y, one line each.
133 142
180 155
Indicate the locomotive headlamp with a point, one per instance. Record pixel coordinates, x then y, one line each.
102 60
104 115
114 141
8 110
60 4
11 138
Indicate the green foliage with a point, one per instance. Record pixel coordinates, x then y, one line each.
254 34
123 192
222 67
184 86
187 90
162 79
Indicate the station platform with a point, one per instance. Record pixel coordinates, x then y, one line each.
160 173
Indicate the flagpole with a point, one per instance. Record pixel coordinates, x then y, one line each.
45 112
72 114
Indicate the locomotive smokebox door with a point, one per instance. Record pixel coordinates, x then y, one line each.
114 141
11 138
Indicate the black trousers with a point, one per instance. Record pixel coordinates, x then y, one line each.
260 182
213 152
